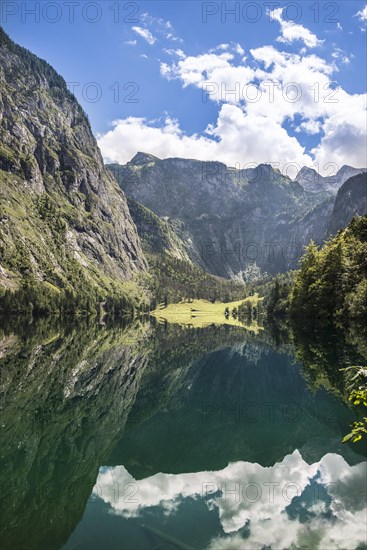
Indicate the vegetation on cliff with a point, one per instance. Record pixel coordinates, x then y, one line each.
331 283
67 240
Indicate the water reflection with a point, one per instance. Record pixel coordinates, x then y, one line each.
291 504
85 404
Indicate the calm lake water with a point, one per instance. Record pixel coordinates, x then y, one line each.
146 436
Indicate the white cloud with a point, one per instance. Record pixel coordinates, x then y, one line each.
155 21
236 138
146 34
131 42
341 56
239 49
179 53
262 498
171 36
292 31
222 47
212 72
234 47
310 127
160 26
344 141
256 97
362 14
288 85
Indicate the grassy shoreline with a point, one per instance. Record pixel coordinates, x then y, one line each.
202 313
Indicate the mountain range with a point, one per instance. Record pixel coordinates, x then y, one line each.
313 182
70 223
227 219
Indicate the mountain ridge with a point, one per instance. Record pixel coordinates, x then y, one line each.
64 221
226 211
351 199
313 182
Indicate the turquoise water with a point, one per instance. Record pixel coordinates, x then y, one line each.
152 437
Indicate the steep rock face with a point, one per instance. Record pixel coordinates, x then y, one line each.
313 225
350 200
159 235
227 219
231 218
60 208
312 181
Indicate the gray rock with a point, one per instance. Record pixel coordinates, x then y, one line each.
47 149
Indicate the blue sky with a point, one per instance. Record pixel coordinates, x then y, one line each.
142 69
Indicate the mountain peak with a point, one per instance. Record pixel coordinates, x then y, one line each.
4 38
312 181
143 158
345 168
266 167
306 173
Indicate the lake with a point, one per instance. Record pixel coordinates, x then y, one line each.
143 436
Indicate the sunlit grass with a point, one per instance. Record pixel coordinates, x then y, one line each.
202 313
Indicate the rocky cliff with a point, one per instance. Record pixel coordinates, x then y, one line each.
227 219
312 181
230 218
63 218
350 200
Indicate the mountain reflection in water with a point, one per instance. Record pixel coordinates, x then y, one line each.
149 436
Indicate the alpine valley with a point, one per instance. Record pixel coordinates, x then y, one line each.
67 229
182 344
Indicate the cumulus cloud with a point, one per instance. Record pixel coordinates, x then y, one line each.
283 504
287 84
235 139
214 73
249 126
146 34
291 31
257 96
344 142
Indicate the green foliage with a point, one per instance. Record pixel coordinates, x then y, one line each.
357 299
277 303
249 311
52 215
329 286
331 282
275 291
155 233
357 377
43 299
174 280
